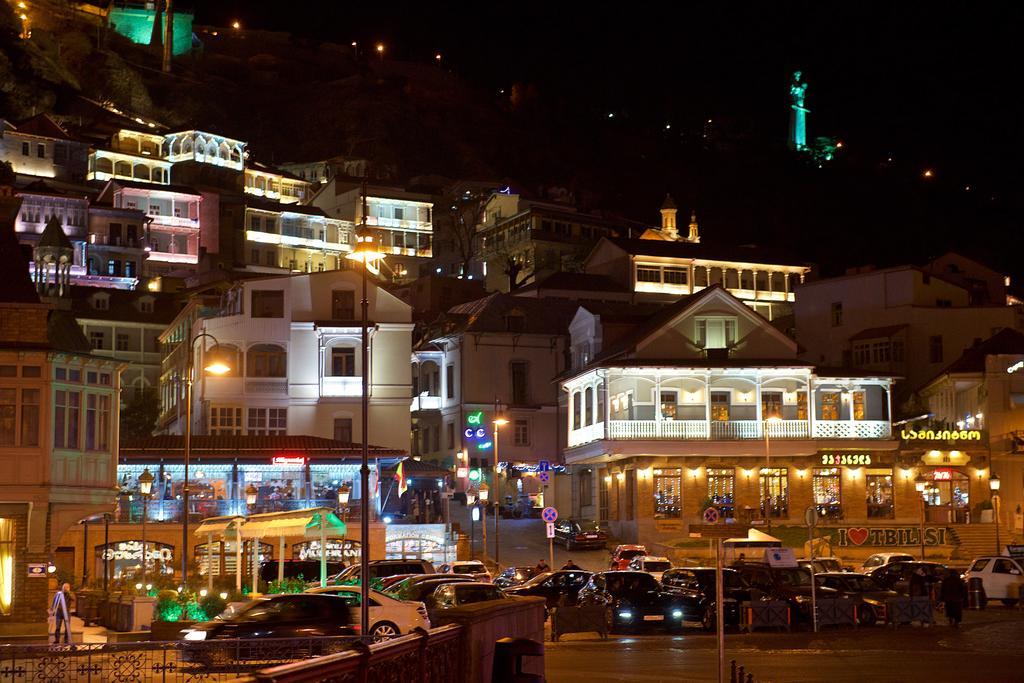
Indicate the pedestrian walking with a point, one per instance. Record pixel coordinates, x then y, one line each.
953 592
61 613
570 565
916 585
542 566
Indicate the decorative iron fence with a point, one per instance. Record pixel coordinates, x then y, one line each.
160 662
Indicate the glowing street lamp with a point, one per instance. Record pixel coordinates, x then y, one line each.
344 493
380 50
993 485
145 486
921 483
236 25
250 494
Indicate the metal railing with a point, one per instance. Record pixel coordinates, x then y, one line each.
170 510
731 430
157 661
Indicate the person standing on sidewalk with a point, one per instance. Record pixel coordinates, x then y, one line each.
62 613
952 592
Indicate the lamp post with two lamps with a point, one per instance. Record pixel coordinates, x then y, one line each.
216 365
993 485
145 487
921 483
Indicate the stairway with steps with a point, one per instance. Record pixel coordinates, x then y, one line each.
975 540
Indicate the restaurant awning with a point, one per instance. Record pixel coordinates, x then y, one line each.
222 527
304 523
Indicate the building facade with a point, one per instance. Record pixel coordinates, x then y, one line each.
293 238
706 406
39 147
296 361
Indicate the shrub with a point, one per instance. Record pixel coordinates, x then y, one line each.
212 605
168 609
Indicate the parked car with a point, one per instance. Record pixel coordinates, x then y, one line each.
380 569
580 533
624 554
896 575
307 570
421 588
558 588
388 581
823 565
514 576
997 575
473 568
792 584
652 564
450 595
869 593
696 586
389 617
881 559
633 600
299 615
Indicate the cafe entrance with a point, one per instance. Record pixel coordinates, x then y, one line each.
947 495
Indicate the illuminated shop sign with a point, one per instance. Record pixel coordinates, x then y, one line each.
1016 367
475 431
132 550
889 536
336 550
940 435
845 458
288 460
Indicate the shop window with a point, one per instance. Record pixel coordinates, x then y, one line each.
774 492
771 404
720 406
858 405
7 541
880 494
830 401
721 490
826 487
669 404
668 493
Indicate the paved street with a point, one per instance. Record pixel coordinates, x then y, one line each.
986 648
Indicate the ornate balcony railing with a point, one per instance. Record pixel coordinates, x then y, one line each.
844 429
731 430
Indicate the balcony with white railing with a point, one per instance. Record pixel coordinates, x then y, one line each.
425 402
857 429
341 386
592 432
729 430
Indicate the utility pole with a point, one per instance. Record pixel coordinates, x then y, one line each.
168 35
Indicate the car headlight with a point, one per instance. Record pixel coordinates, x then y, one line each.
677 614
625 615
195 635
801 599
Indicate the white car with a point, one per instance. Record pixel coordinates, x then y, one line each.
654 565
998 574
389 617
472 568
882 559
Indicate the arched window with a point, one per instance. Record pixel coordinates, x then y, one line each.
224 152
577 409
266 360
175 147
589 407
123 168
158 175
141 172
186 146
236 155
104 165
342 361
211 150
261 183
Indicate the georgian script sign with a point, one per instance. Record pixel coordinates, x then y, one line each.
845 458
945 435
890 536
132 550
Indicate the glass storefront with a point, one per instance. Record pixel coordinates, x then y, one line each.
774 492
722 490
880 494
947 495
827 489
668 493
124 558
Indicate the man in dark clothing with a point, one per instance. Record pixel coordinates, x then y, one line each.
570 565
542 567
916 586
60 609
952 592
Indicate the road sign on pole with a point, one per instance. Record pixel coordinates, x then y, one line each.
543 465
711 516
811 516
551 529
549 514
544 477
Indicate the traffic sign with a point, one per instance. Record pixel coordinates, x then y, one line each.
811 516
549 515
711 515
544 477
544 465
551 529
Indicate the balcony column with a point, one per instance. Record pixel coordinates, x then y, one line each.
888 402
754 273
811 405
757 407
771 286
607 406
707 405
657 404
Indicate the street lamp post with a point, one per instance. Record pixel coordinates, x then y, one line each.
366 250
471 504
499 422
920 484
215 366
485 493
343 495
993 485
145 486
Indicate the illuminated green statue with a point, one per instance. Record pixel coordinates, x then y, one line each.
798 115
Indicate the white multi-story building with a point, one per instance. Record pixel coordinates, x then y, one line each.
278 186
296 357
293 238
905 321
41 148
705 404
496 355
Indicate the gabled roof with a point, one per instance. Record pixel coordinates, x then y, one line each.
121 305
1007 342
53 236
41 125
490 314
689 250
577 282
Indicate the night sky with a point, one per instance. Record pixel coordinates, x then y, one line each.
929 87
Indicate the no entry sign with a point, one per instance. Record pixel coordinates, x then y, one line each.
549 514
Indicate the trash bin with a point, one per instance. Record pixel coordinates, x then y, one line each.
508 660
976 593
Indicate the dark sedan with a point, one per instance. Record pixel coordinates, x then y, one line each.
696 587
560 588
514 576
898 576
792 584
633 600
301 615
421 588
864 589
580 533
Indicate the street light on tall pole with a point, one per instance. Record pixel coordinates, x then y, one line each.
145 486
499 422
921 484
993 485
366 250
215 366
